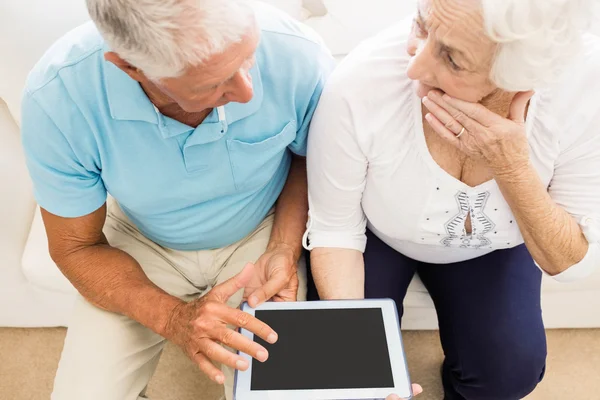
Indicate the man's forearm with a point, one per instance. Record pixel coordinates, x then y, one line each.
113 280
553 237
291 212
339 274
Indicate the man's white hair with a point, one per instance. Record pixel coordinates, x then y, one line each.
537 38
164 37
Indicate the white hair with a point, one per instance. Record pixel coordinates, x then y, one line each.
164 37
537 39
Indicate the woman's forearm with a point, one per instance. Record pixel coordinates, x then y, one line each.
339 274
554 239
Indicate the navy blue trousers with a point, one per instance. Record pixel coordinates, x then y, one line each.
489 315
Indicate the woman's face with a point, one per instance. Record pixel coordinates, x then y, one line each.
450 50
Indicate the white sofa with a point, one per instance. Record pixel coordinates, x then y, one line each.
33 293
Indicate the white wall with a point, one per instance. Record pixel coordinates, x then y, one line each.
350 21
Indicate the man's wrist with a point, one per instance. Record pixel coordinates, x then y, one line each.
165 324
295 250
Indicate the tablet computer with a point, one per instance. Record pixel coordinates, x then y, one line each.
347 349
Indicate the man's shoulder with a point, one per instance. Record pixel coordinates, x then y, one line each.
275 23
288 45
73 55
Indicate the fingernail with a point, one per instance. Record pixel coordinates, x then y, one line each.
272 338
241 364
253 301
417 389
262 355
428 117
425 100
220 379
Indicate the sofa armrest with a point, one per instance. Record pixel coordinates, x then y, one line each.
16 195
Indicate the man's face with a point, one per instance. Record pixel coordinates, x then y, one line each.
221 79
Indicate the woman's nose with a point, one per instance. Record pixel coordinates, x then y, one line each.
421 66
412 47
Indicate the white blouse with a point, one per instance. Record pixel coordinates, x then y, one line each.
369 164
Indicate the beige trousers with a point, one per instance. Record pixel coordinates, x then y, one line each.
108 356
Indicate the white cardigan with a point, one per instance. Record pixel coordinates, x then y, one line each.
368 163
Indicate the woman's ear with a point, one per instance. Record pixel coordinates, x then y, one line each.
124 66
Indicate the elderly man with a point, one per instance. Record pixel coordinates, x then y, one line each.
193 115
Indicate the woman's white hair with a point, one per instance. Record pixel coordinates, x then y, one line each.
164 37
537 38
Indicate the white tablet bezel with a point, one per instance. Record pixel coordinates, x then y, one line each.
392 331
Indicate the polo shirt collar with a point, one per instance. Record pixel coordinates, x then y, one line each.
238 111
127 101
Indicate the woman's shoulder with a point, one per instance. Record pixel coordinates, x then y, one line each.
582 76
376 67
572 104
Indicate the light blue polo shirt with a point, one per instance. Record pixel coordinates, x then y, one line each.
88 130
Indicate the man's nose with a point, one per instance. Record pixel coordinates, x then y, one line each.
240 89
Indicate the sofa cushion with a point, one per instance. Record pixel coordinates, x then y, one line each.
419 297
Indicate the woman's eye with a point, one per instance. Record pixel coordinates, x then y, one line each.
419 29
451 62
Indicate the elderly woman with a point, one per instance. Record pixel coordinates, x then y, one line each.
465 149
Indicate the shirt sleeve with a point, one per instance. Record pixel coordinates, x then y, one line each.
337 170
62 184
325 65
576 188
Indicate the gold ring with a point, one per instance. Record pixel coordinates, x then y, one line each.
461 132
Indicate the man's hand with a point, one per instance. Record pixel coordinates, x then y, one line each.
417 390
199 327
275 277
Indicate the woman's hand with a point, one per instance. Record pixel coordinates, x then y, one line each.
500 142
417 390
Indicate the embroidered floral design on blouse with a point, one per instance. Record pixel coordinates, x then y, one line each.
481 224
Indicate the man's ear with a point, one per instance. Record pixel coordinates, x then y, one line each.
124 66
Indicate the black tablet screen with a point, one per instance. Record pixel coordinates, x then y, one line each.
324 349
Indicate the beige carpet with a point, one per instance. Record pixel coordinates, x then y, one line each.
28 360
